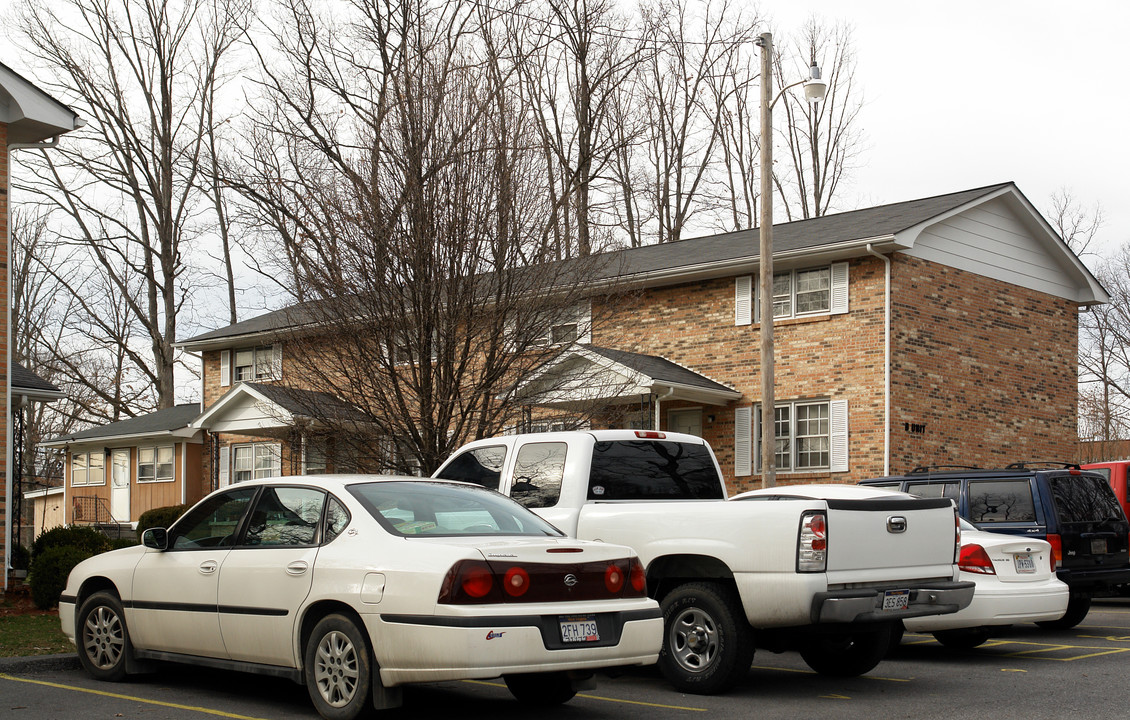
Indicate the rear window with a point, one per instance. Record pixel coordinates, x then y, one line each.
653 470
1083 498
1001 501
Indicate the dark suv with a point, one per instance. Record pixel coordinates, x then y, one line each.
1074 510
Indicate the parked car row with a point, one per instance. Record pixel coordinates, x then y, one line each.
358 585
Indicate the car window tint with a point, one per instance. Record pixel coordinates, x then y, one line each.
285 517
212 523
482 466
951 490
438 508
1083 498
644 469
337 517
1001 501
538 470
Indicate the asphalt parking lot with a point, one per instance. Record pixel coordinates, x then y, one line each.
1028 673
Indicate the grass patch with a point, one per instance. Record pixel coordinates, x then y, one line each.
32 634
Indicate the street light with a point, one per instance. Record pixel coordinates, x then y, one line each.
814 90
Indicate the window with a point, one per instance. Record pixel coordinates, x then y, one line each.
259 460
314 456
250 364
796 293
155 464
538 470
337 517
1001 501
285 517
950 489
652 470
810 435
211 523
88 468
563 326
482 466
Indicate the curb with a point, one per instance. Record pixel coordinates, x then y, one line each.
40 663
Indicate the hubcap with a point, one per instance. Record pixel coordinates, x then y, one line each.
102 638
335 669
692 639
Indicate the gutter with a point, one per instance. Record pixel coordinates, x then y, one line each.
886 359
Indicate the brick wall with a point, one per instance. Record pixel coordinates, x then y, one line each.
983 373
824 357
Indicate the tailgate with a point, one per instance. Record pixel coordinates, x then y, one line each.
875 540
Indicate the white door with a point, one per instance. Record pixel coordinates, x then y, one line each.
685 421
119 491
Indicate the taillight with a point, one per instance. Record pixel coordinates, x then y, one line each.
637 577
812 544
614 578
956 536
650 435
516 582
477 581
1057 550
974 559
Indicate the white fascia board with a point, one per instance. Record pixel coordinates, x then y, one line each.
207 419
188 434
38 395
32 494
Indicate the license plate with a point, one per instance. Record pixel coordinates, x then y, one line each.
896 599
1098 546
1025 563
579 629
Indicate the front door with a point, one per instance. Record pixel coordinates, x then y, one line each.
685 421
119 490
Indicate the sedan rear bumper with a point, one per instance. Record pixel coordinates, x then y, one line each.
1002 604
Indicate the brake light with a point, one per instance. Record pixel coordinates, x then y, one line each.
812 543
637 577
614 578
1057 550
516 582
974 559
475 582
650 435
956 536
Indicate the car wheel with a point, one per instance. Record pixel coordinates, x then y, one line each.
1077 609
544 689
338 668
707 641
847 654
102 637
963 639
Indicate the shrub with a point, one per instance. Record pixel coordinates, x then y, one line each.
122 542
85 538
21 557
49 570
161 517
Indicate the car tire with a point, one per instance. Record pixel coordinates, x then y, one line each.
102 638
541 689
962 639
847 654
707 641
1077 609
338 668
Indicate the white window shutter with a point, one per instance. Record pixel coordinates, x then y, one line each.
225 368
276 361
743 441
584 324
225 464
757 298
743 300
276 456
839 439
839 299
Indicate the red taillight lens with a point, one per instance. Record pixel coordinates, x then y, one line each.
819 532
1057 550
650 435
614 578
956 536
477 581
812 543
637 577
516 582
974 559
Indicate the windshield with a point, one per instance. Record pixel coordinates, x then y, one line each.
412 508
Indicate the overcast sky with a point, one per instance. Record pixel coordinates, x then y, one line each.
962 94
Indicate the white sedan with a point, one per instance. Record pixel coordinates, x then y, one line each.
1016 583
356 585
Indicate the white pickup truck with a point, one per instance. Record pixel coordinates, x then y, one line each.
823 573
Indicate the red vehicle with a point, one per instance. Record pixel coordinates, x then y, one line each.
1115 473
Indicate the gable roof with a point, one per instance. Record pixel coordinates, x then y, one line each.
28 384
883 228
165 422
275 406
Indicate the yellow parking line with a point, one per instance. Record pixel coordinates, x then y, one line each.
605 699
207 711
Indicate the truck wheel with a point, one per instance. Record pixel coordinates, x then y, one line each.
102 638
849 653
338 670
1077 608
541 689
707 641
963 639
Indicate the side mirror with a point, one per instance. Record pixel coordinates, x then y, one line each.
156 538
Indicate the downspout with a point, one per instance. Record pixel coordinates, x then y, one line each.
886 358
659 399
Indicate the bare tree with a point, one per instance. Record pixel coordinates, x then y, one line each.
125 189
1076 224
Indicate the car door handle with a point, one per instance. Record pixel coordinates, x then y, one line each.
208 567
298 567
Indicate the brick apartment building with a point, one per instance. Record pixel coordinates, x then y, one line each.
936 331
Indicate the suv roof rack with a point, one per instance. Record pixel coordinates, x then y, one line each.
930 468
1055 464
